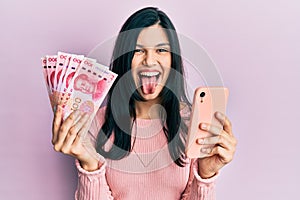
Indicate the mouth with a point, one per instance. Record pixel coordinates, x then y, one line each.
149 80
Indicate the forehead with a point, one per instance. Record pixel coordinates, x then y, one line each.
152 36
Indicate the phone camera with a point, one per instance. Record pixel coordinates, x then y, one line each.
202 94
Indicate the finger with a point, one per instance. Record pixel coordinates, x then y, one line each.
224 140
64 129
57 120
82 138
82 148
211 128
227 126
208 141
86 126
225 155
81 135
82 141
74 130
205 151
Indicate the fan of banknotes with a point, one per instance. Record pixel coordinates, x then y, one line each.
76 82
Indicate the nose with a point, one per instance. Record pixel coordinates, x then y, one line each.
150 58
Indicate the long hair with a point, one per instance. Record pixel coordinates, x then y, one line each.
119 117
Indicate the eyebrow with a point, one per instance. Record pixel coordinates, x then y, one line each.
158 45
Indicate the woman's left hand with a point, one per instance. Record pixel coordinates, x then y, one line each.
218 149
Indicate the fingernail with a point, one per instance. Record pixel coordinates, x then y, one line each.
54 108
203 126
76 113
205 150
219 115
201 141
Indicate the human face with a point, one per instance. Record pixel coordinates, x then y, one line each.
151 62
84 86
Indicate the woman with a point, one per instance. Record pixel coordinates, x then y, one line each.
139 137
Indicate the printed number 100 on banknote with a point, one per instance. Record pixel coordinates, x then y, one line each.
90 85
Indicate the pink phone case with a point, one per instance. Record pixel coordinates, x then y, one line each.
207 100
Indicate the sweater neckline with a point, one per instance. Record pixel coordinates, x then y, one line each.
140 122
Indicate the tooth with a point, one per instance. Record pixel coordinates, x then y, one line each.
149 73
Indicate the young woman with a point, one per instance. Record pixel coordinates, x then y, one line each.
134 147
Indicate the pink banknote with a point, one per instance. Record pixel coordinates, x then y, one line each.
45 72
61 65
76 82
51 65
67 78
90 85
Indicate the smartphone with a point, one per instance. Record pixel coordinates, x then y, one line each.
206 101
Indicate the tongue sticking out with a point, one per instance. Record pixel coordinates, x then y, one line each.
148 84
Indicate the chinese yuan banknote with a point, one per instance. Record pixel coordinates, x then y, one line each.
44 65
90 85
76 82
51 66
65 81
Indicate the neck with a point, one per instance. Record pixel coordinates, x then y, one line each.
148 110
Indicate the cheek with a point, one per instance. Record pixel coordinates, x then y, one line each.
134 63
165 61
169 61
167 71
167 67
134 66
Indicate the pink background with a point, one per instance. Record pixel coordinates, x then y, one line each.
255 45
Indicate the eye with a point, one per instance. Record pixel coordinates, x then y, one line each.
162 50
139 51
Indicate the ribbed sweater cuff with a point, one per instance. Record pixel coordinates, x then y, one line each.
202 180
91 175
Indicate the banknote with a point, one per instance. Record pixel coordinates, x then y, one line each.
87 64
66 79
51 66
90 85
45 73
61 65
76 82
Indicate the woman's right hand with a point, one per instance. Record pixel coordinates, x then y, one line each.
69 137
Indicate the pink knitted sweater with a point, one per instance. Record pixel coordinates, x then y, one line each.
147 173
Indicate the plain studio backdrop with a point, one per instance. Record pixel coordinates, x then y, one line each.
255 45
